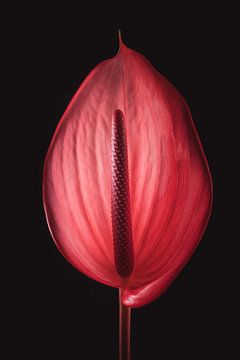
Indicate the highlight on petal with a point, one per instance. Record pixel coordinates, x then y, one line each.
135 298
169 179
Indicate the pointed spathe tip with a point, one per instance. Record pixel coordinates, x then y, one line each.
121 45
119 37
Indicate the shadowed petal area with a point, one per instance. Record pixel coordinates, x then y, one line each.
169 180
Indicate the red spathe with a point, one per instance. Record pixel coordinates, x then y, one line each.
169 179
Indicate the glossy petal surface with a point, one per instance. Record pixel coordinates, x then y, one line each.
169 179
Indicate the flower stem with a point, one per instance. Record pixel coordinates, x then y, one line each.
124 330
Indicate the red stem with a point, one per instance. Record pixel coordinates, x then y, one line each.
124 330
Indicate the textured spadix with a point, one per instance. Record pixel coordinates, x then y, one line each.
169 179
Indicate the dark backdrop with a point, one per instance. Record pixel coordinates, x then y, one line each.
54 310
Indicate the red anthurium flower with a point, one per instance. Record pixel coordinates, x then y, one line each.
126 186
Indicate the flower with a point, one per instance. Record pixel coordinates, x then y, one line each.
126 152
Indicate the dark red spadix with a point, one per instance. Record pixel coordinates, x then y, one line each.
121 214
126 186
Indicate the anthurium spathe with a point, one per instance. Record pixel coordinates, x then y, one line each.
126 186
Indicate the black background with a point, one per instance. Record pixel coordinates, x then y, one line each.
54 310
